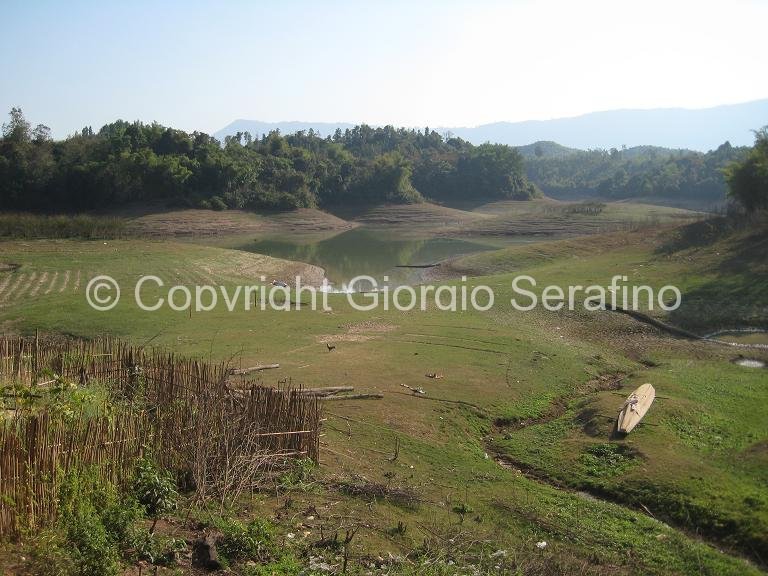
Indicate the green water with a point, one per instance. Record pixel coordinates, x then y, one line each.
368 252
743 336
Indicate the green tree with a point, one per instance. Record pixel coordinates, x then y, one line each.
17 129
748 179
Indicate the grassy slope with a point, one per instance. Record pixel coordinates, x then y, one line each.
192 222
547 217
512 365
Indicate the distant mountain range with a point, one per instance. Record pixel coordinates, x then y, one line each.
703 129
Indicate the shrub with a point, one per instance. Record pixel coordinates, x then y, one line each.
299 475
141 544
251 541
98 525
94 520
50 555
217 203
94 551
608 459
155 490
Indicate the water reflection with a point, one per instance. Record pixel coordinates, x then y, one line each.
366 252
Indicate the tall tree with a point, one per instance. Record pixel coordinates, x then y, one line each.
748 180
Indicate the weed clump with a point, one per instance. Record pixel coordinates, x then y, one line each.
363 488
99 526
94 520
605 460
299 475
254 540
155 490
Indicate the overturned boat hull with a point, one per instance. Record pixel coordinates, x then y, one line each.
634 408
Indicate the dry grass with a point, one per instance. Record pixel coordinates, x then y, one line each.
201 223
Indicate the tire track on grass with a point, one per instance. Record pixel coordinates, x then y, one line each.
4 283
27 284
43 278
53 282
65 282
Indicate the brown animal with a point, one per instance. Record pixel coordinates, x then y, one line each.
331 347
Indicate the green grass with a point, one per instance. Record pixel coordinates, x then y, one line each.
60 226
697 462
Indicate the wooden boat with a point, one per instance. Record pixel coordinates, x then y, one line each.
634 408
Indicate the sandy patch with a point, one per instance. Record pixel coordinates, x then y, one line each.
53 283
331 338
65 282
252 267
39 284
369 326
358 332
27 285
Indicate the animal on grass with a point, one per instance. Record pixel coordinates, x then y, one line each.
331 347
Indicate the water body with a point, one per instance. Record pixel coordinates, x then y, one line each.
749 362
363 251
744 336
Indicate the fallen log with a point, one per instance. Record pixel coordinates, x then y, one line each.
242 371
45 383
327 391
414 390
352 397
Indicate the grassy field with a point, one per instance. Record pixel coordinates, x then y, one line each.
513 445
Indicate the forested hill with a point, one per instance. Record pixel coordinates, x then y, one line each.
701 129
646 172
135 162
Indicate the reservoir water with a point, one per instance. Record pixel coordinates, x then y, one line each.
364 251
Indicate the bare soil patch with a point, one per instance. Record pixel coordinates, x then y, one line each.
369 326
331 338
201 223
253 267
425 215
358 332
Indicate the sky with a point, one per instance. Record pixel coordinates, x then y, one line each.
199 65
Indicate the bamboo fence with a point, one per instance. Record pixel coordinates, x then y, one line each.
218 438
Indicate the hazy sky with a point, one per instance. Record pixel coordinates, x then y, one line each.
200 65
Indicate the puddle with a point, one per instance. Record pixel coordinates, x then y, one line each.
749 362
749 336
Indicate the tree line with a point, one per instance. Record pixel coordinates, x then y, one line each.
644 171
126 162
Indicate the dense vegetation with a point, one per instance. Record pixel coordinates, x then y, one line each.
24 225
129 162
644 171
748 180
